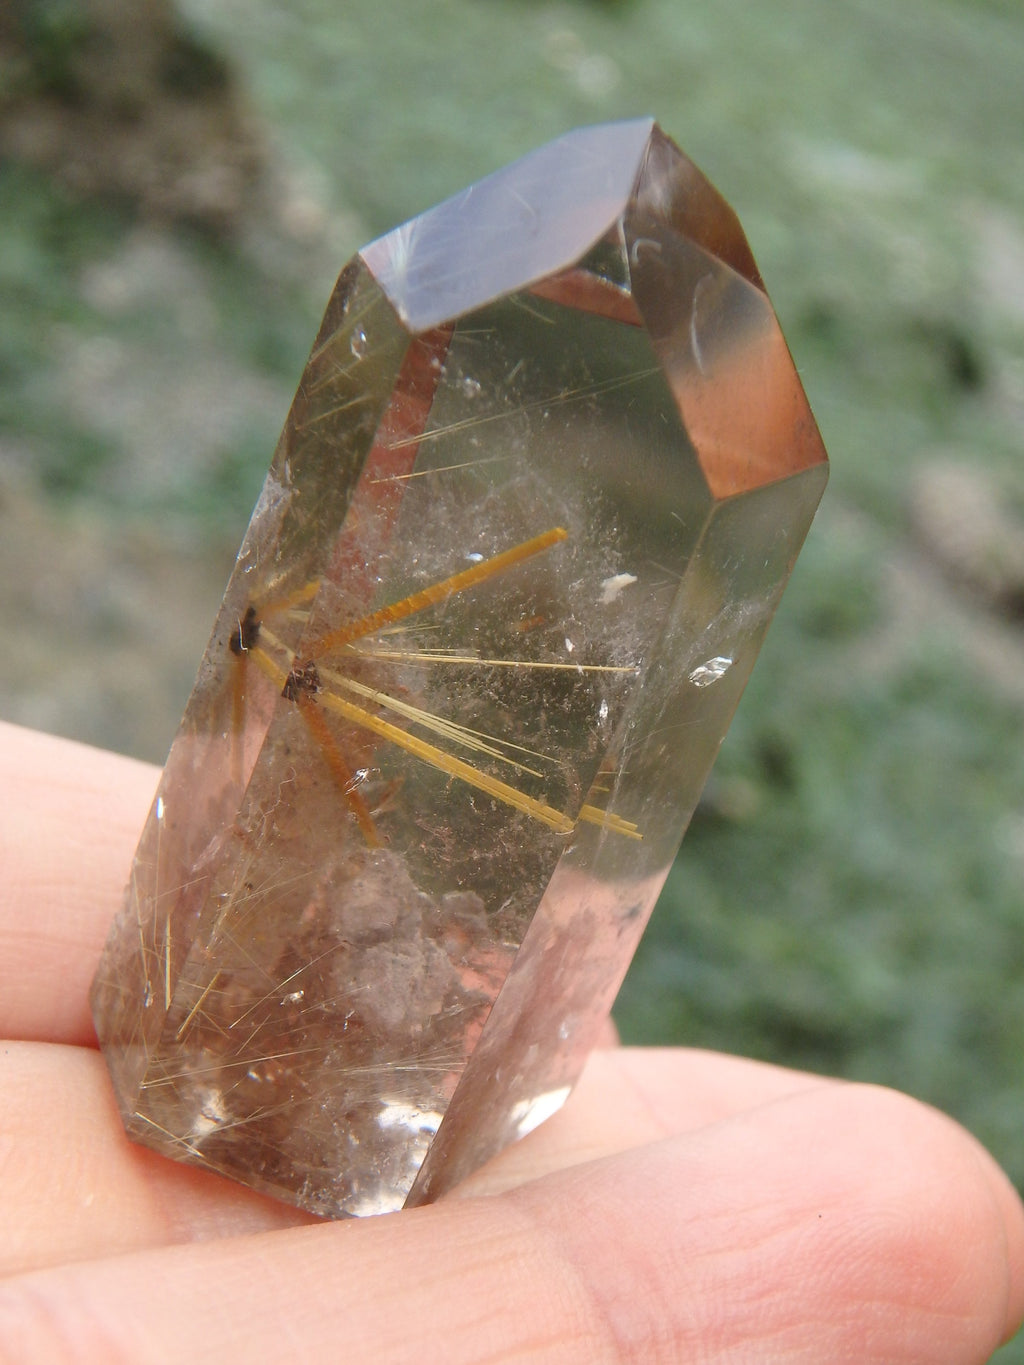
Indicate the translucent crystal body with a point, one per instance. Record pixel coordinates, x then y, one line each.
545 476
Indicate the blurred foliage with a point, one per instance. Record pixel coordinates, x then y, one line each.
54 32
54 46
849 896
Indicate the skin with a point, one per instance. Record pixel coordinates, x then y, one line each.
684 1206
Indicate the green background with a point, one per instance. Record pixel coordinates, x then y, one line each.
849 898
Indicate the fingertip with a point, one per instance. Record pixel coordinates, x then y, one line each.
939 1216
974 1202
840 1222
1010 1211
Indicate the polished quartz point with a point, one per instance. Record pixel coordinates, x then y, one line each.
543 481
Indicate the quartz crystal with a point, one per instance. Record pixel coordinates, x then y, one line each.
545 476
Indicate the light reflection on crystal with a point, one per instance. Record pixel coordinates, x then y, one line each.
415 1122
710 671
530 1114
544 479
613 585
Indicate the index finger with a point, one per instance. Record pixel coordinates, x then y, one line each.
71 819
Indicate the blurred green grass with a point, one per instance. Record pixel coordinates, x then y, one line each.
849 898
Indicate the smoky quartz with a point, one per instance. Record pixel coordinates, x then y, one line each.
546 474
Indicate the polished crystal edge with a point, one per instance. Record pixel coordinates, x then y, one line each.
544 479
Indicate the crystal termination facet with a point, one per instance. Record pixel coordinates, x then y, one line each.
544 479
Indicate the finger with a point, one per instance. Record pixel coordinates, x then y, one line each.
627 1097
60 1132
840 1223
105 1195
71 819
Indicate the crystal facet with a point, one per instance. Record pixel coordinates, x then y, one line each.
546 473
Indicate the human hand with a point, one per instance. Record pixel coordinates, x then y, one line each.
683 1205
